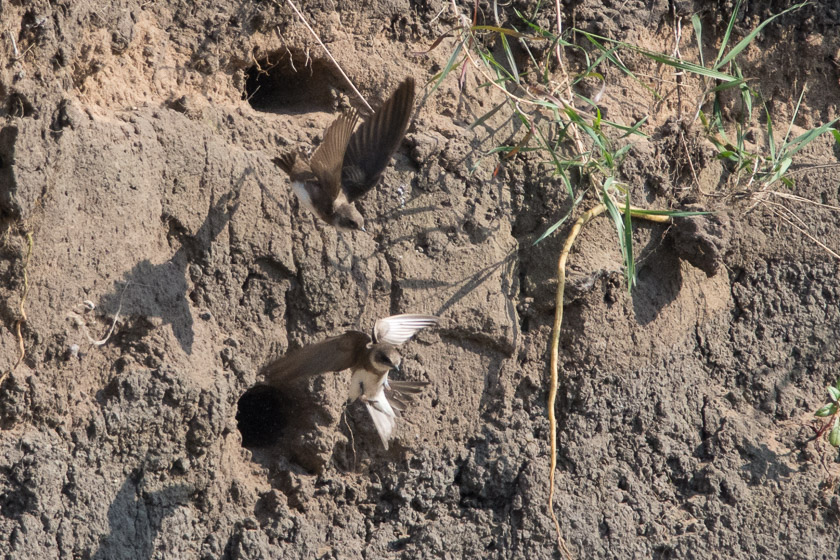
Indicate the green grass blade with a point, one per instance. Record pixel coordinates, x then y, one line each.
779 173
793 118
714 74
727 85
618 220
698 33
669 213
483 118
630 262
446 69
511 62
510 32
727 34
553 227
746 94
804 139
629 130
742 44
770 140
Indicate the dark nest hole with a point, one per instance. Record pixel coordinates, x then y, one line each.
262 415
290 82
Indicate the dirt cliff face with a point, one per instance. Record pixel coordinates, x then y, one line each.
135 146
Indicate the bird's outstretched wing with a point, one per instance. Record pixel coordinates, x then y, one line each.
328 158
396 329
372 145
333 354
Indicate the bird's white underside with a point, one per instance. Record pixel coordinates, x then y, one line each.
371 388
303 195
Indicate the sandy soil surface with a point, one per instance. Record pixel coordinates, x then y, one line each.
135 147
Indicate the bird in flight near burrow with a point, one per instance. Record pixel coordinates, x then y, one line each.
370 360
348 164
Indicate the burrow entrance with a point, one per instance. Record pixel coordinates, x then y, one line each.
291 82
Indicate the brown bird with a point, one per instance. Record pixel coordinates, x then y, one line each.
347 165
370 360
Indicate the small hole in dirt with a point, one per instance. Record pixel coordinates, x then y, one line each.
290 82
19 106
261 416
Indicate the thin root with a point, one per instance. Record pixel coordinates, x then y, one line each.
555 344
22 319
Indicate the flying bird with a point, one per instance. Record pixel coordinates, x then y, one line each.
348 164
370 360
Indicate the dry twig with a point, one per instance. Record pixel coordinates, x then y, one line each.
326 50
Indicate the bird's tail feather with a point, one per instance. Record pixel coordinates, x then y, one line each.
285 161
382 420
401 393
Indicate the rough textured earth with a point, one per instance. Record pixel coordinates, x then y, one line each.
135 147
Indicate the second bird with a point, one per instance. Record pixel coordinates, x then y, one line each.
370 360
348 164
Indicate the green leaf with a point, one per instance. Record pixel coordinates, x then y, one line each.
835 393
834 436
783 167
686 66
827 410
727 85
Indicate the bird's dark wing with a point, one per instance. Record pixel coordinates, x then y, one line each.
376 140
333 354
327 160
396 329
401 393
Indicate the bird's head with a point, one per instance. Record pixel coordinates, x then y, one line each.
385 358
348 218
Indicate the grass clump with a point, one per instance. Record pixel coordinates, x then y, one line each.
582 151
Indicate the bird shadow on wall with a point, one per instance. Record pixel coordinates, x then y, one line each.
161 290
135 518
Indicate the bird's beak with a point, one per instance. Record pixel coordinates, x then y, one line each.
363 229
397 367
